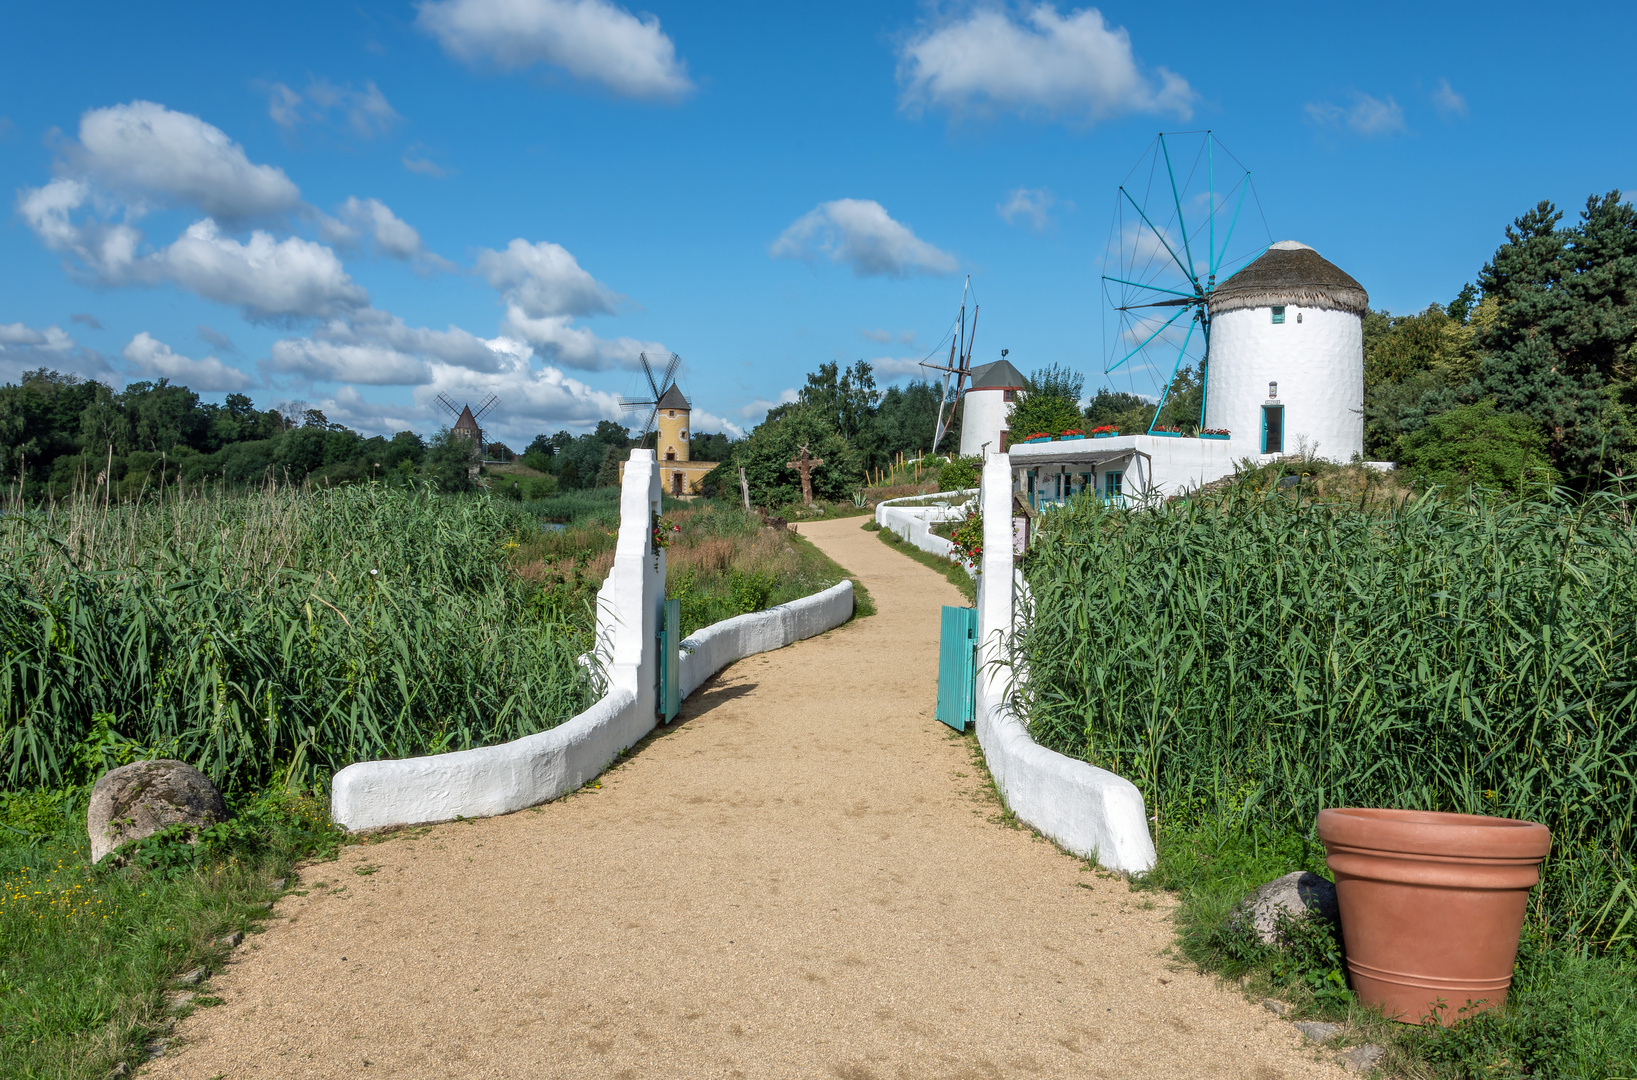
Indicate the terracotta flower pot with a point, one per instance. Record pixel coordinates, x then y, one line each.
1431 905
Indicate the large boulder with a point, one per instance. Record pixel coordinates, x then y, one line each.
1296 895
141 798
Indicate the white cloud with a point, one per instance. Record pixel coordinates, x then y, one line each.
1366 115
366 113
23 348
265 277
146 150
530 398
860 233
543 280
359 218
371 364
154 358
375 347
758 407
545 290
1073 65
562 342
1033 205
268 278
417 161
593 40
710 424
892 368
1449 103
212 336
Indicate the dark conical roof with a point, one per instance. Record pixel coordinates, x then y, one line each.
465 422
672 399
1000 375
1294 274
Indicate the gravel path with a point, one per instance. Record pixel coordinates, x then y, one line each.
805 877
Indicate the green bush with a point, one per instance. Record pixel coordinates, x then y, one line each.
1478 445
960 474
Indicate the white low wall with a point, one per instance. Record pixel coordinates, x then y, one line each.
912 520
537 768
1092 812
710 650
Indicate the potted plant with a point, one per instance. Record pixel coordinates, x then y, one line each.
1431 906
1214 433
1167 432
1107 431
1073 433
1039 436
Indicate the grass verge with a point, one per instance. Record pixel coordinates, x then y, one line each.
87 952
951 570
1570 1012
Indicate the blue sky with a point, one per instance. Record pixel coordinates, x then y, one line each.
358 207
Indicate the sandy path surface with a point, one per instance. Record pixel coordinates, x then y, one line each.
803 878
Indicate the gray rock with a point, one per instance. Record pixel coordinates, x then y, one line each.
179 999
1318 1032
118 1070
277 884
232 940
194 977
156 1049
1295 895
1277 1007
141 798
1361 1059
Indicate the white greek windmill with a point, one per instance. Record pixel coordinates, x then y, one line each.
1278 344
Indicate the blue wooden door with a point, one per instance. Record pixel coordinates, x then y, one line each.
957 670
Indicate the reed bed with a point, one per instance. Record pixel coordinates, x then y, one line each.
274 635
1253 658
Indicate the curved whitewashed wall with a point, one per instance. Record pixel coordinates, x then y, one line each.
537 768
912 520
984 414
1092 812
710 650
1318 364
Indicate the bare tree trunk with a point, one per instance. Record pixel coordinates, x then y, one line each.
744 487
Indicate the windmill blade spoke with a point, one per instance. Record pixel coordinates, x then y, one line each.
648 370
670 373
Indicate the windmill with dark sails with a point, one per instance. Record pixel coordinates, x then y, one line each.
468 421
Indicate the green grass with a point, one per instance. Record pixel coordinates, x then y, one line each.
86 953
1251 657
1570 1012
723 562
953 571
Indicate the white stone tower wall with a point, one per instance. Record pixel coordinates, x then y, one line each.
1318 364
984 415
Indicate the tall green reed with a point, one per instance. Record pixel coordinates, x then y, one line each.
278 634
1256 657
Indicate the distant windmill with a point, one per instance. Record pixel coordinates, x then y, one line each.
658 386
466 421
960 364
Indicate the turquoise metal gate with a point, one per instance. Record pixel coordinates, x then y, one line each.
957 666
669 699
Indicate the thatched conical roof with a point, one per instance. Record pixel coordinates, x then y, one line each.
1293 274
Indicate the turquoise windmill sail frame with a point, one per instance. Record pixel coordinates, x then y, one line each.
1157 264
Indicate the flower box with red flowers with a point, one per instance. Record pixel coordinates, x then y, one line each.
1039 436
1107 431
1073 433
1214 433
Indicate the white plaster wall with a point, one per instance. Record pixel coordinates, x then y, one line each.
1318 364
913 523
536 768
720 644
983 417
1092 812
